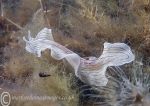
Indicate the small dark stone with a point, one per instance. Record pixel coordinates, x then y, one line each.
43 74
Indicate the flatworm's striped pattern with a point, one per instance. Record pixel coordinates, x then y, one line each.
90 70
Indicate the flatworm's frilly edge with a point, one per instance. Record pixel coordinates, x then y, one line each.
90 70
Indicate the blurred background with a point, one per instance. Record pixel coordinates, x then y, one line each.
80 25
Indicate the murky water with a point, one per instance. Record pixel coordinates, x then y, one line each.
81 26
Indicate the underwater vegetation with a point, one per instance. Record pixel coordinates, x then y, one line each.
125 88
82 26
